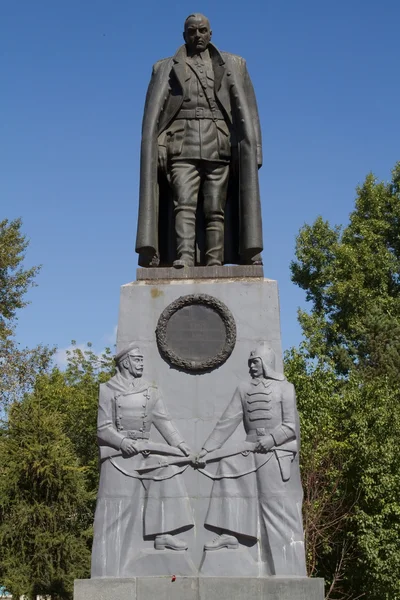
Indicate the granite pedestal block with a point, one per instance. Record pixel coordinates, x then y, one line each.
199 588
196 401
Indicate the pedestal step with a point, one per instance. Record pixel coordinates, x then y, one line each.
200 588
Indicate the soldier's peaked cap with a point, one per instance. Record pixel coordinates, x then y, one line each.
267 356
130 349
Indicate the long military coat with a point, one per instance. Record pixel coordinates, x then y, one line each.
265 502
236 99
129 511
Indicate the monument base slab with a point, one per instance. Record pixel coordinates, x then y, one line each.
229 563
199 588
155 562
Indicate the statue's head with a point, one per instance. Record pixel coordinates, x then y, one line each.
197 33
130 361
262 363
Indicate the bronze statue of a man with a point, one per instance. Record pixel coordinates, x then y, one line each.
201 150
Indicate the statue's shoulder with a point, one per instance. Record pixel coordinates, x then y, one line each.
234 59
286 386
163 62
244 386
230 56
107 388
108 384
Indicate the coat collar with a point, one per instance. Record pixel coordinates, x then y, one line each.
265 382
122 385
179 68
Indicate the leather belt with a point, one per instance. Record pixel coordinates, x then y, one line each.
200 113
136 435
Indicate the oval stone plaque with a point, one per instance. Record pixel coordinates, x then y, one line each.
197 332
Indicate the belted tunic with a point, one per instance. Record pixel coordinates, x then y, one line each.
266 407
199 131
128 408
264 502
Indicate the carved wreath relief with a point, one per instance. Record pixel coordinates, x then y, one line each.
196 333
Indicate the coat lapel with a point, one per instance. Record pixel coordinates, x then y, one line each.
219 75
175 99
218 66
179 68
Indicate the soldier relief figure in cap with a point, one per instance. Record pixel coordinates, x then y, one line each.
132 507
199 199
258 494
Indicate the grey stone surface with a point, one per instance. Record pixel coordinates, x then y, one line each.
183 588
105 589
131 505
200 588
229 563
276 588
164 562
259 495
225 272
196 401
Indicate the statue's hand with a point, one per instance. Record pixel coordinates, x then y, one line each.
128 447
264 444
162 158
202 453
199 461
185 449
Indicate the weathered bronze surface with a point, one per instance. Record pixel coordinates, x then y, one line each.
199 198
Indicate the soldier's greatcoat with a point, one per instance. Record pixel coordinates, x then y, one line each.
129 509
235 98
266 502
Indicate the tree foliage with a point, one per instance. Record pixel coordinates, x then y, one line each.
18 367
45 516
347 379
14 278
351 477
351 277
49 478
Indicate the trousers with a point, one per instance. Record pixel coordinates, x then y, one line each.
188 177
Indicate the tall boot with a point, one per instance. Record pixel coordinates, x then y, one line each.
214 243
185 229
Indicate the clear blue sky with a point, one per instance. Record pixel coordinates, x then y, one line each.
73 81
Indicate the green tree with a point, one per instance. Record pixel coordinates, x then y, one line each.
18 367
351 476
351 277
14 278
73 393
347 374
45 516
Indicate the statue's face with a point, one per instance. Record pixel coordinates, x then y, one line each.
197 34
134 365
256 367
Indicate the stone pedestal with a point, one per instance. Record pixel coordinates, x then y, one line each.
195 401
200 588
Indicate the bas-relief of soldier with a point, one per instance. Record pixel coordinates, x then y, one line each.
259 495
129 508
201 150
